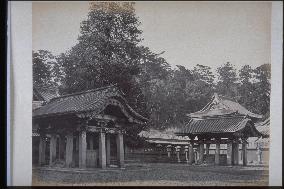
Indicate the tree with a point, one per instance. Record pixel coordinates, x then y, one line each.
43 69
109 52
227 84
204 73
200 89
262 88
106 51
246 88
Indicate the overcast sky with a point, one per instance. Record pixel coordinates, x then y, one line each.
190 33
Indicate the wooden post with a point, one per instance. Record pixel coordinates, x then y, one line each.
178 158
169 152
82 148
190 153
91 142
69 150
102 150
244 152
201 152
52 149
217 153
229 153
61 147
42 145
207 148
186 153
120 149
77 143
236 153
108 149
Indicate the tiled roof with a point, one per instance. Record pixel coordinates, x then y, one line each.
172 142
214 125
164 135
45 93
219 106
263 127
94 101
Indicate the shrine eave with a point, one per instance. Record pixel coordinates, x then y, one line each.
88 104
220 126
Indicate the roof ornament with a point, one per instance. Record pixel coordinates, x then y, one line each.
216 98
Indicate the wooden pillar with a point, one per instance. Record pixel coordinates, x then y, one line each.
229 153
178 153
52 149
91 142
196 155
207 149
190 153
186 153
169 149
61 147
42 145
102 150
201 152
108 149
82 148
244 152
77 143
120 149
217 153
236 152
69 150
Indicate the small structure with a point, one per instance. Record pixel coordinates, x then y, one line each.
161 146
221 121
164 138
258 148
84 129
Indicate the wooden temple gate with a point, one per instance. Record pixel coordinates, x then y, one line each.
84 129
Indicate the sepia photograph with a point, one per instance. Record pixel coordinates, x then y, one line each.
151 93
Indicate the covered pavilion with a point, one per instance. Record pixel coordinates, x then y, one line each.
84 129
221 121
167 143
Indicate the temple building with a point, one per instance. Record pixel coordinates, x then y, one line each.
83 129
221 122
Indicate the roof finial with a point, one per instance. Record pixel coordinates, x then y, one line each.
216 97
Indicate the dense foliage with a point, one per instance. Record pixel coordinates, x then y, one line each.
109 52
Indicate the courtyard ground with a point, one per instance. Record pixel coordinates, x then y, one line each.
155 174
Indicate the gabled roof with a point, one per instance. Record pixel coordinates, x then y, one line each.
220 106
218 125
91 101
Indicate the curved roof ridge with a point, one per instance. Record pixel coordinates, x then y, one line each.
218 104
218 117
226 98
